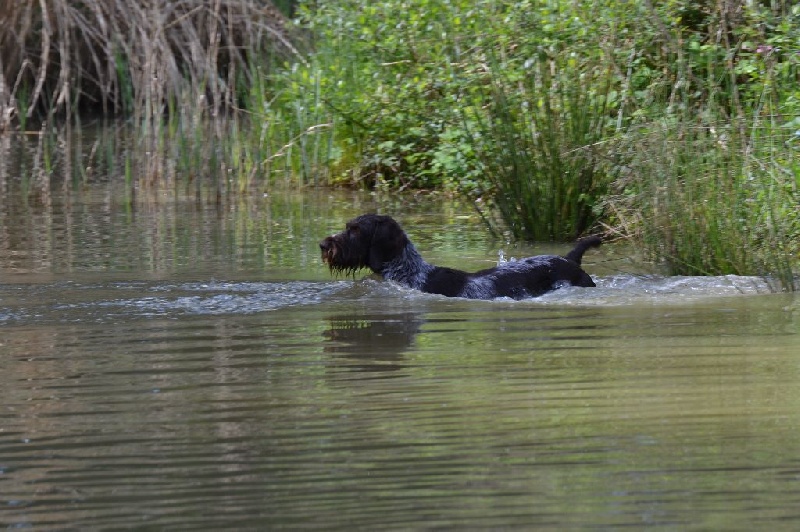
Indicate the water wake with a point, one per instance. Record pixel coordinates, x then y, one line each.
614 290
107 302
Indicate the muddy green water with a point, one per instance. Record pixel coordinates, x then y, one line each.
183 365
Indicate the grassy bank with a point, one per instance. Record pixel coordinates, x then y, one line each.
711 199
673 124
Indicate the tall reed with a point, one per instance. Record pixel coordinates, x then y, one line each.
708 200
110 55
177 70
710 187
538 143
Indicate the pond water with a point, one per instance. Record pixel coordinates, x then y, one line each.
192 364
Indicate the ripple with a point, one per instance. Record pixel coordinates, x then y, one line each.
102 302
75 302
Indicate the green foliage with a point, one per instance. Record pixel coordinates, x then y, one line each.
708 170
538 141
389 75
709 200
540 109
560 117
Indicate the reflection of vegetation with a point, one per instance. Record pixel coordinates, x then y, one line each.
98 229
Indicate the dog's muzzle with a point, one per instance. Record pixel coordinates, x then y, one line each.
329 250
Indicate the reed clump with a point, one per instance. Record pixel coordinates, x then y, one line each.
186 76
706 199
121 57
537 141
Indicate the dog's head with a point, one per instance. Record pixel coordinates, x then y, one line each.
369 241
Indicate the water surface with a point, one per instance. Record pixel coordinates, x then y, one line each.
185 364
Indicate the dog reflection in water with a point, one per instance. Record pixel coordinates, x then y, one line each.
372 342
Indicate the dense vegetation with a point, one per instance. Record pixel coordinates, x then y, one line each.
673 123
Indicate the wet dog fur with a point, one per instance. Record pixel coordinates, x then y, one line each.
379 243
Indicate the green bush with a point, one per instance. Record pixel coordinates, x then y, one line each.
539 142
668 121
388 76
704 203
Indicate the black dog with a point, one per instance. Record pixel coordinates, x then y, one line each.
378 243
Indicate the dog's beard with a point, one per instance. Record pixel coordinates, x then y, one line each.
335 258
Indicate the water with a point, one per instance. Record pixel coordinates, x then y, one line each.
192 365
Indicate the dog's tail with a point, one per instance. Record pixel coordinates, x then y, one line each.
580 248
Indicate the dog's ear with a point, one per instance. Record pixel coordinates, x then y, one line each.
388 242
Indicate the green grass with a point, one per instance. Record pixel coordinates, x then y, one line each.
538 143
709 201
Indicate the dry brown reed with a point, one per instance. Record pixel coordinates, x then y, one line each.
124 57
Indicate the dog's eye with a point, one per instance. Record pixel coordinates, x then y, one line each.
353 229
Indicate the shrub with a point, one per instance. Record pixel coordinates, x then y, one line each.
539 141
